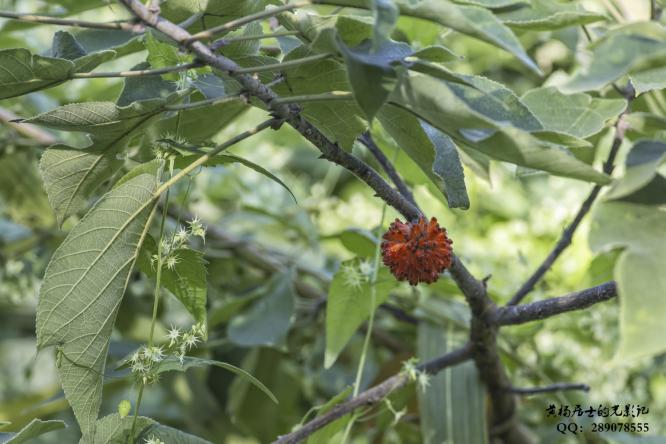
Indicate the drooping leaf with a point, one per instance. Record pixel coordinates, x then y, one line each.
547 15
35 428
171 363
65 46
452 406
467 119
267 321
432 150
114 429
650 80
186 280
620 52
577 114
471 20
144 87
83 287
349 304
640 231
361 242
371 71
642 183
210 85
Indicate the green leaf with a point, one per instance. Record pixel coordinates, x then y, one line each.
35 428
386 17
577 114
144 87
326 433
162 55
66 47
492 4
187 280
244 47
547 15
268 320
171 363
23 72
467 119
620 52
640 231
646 125
348 304
211 86
360 242
340 121
471 20
642 183
83 287
452 406
371 72
650 80
71 175
433 151
114 429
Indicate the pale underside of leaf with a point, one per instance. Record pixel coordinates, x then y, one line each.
83 287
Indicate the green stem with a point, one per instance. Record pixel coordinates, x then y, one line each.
136 412
244 21
202 103
137 73
243 38
158 277
333 95
282 65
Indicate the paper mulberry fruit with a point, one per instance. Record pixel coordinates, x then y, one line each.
417 251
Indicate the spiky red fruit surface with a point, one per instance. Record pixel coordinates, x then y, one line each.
416 251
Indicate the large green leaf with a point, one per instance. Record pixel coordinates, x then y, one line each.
471 20
340 121
71 175
650 80
35 428
577 114
433 151
640 231
468 119
452 406
22 72
173 364
267 321
349 304
620 52
642 182
547 15
186 280
83 287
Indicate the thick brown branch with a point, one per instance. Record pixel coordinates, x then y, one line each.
374 395
519 314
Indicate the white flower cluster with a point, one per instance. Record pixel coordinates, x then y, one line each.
154 440
143 362
356 275
179 239
414 374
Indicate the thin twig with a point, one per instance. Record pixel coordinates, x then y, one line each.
137 73
562 386
282 65
244 21
367 140
243 38
374 395
120 25
323 97
567 235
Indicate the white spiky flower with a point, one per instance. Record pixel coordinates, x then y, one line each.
352 276
153 440
173 335
171 261
190 340
197 229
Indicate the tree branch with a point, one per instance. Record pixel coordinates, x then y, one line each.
567 235
375 394
367 140
519 314
120 25
136 73
562 386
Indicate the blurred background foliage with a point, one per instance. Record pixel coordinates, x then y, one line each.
256 231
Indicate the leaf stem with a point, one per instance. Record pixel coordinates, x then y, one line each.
244 21
136 412
120 25
333 95
283 65
137 73
244 38
202 103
